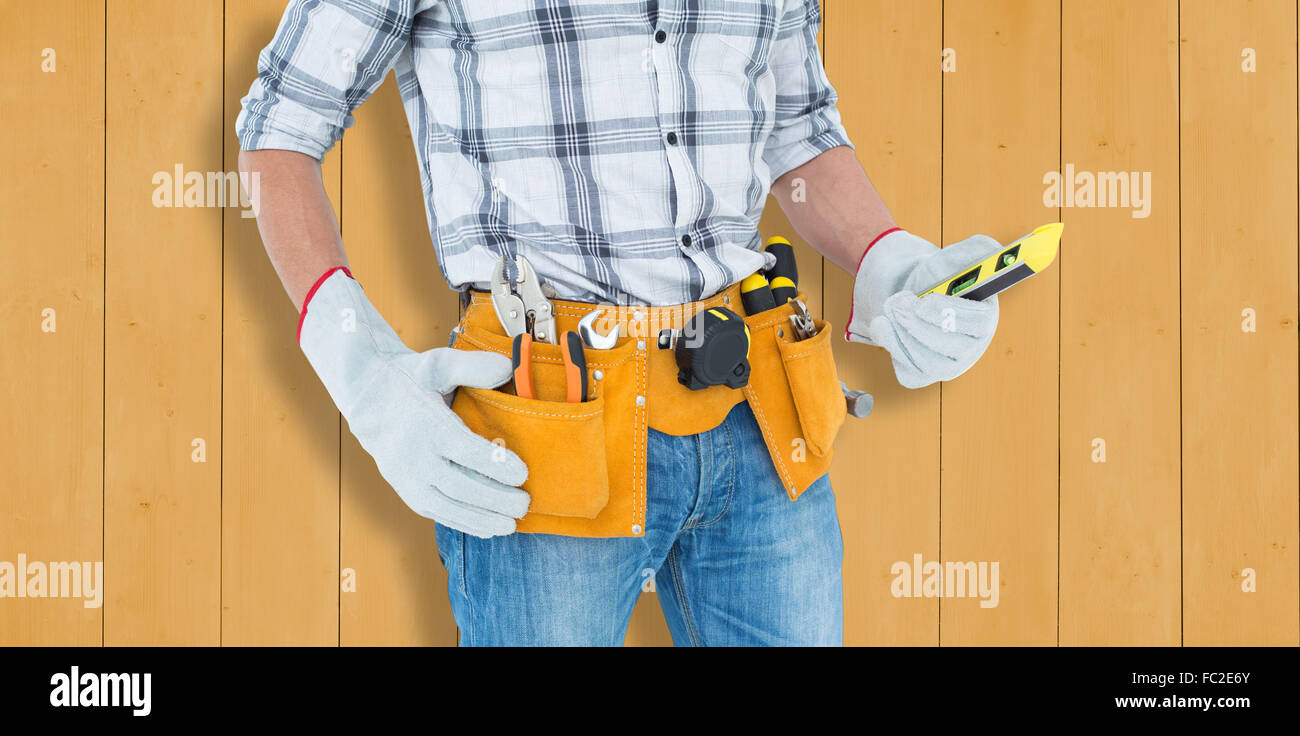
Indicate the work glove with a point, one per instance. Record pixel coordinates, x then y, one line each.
398 405
935 338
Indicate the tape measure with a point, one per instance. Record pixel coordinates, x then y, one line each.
712 350
1002 270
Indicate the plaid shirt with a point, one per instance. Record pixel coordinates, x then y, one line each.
625 148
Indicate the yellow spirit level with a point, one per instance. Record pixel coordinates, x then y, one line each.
1011 265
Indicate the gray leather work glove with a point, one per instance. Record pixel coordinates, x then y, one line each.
398 405
935 338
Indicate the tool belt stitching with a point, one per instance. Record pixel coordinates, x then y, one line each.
768 323
802 353
639 440
762 421
515 410
578 311
537 358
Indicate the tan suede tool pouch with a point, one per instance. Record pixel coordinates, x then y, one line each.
796 397
586 461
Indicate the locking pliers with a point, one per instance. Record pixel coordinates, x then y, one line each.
520 304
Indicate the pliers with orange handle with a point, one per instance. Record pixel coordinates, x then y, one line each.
575 366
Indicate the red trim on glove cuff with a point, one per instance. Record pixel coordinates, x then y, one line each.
859 268
312 292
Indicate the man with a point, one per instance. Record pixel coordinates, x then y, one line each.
626 150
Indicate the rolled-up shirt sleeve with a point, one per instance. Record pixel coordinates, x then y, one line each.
326 58
807 120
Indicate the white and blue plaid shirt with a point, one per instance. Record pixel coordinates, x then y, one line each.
625 148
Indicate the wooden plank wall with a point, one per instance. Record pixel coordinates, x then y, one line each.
1238 149
280 469
1119 345
998 424
1126 452
889 502
163 326
52 307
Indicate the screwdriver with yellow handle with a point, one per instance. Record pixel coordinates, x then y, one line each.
784 274
764 290
1014 263
756 294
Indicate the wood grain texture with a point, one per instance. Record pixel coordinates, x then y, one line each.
1119 544
1239 387
280 468
999 425
162 509
171 327
51 380
401 595
883 57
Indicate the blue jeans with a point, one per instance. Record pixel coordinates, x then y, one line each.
735 562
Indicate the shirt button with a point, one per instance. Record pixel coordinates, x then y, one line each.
686 241
660 37
672 139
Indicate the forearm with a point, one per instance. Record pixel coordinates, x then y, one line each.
839 212
294 215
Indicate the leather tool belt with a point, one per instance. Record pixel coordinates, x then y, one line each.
587 461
